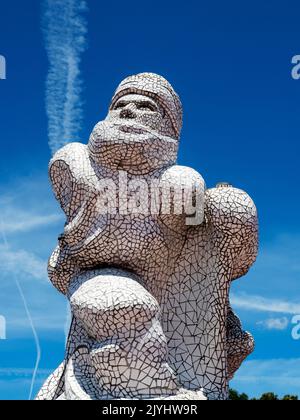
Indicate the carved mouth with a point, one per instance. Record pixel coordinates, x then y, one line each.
132 129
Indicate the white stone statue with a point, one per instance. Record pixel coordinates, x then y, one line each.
147 275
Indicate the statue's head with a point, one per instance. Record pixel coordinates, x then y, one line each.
142 129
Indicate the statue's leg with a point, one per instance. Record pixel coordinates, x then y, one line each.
129 351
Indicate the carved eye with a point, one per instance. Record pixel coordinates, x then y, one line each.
146 106
119 105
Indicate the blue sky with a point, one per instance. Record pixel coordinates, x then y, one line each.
231 64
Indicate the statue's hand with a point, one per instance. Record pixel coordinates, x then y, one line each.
232 215
186 188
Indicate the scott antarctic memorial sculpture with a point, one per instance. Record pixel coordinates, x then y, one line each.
146 259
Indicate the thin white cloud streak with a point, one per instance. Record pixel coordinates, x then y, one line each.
49 323
65 31
281 376
36 339
277 324
22 372
15 380
23 208
282 254
261 304
25 222
271 372
18 262
34 332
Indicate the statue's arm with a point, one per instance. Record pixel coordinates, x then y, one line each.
233 217
188 188
72 177
73 180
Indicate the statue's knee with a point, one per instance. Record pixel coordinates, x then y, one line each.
112 303
140 370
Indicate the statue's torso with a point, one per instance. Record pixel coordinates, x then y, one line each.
130 241
187 269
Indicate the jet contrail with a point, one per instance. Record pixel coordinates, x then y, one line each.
65 31
34 332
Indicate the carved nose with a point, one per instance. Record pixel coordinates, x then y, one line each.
128 112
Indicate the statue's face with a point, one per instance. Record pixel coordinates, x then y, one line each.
137 136
138 110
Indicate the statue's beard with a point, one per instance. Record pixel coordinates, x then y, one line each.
132 147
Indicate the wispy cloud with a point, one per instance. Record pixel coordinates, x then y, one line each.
282 254
65 36
21 221
277 270
24 208
262 304
28 214
22 262
14 382
22 372
281 376
279 324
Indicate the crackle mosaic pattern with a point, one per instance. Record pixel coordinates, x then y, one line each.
148 288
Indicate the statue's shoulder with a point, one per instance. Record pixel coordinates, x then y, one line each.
226 205
71 174
182 175
71 153
71 161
